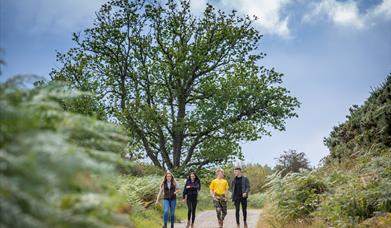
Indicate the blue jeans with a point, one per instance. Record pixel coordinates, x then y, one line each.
169 205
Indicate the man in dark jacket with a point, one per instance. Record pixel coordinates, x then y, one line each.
240 187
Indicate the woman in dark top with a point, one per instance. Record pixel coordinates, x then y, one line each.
190 193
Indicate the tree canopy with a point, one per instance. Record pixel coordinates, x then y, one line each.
292 161
186 88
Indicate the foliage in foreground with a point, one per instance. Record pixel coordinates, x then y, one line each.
353 188
57 167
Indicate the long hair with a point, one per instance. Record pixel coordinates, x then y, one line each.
165 179
196 177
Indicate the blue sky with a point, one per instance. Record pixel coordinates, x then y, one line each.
331 52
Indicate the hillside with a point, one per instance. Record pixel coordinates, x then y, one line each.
353 186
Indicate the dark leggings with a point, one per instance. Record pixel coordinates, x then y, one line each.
191 208
242 201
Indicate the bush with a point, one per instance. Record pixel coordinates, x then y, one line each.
57 167
295 196
256 200
257 175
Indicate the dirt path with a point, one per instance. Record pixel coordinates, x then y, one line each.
207 219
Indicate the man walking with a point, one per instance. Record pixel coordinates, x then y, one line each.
240 187
219 191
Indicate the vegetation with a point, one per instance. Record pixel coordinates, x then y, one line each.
292 161
57 168
151 79
64 169
186 89
353 187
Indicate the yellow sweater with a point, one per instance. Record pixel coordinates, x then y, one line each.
219 186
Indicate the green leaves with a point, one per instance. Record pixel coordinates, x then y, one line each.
367 127
57 167
178 82
353 187
296 196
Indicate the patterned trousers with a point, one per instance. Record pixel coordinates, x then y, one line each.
221 208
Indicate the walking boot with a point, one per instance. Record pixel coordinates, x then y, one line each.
245 225
188 224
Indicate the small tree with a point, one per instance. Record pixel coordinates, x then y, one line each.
292 161
187 89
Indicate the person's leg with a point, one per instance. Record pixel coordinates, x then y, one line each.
218 209
244 209
194 210
223 209
237 211
189 208
166 206
172 211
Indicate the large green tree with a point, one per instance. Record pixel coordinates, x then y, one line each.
187 88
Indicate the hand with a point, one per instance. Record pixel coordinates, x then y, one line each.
245 194
188 186
184 200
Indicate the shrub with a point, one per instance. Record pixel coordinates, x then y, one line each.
295 196
57 168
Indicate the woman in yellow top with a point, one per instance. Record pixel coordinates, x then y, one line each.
219 191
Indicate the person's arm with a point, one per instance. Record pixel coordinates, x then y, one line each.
247 187
158 195
226 191
184 192
197 185
212 193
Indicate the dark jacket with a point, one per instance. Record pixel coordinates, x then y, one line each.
169 193
245 186
194 187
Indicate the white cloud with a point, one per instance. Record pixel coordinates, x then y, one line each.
347 14
55 16
270 13
198 6
382 10
72 15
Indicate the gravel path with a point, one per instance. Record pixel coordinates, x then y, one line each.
208 219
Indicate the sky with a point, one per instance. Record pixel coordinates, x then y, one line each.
331 52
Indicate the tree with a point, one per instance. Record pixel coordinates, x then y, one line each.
187 88
257 175
292 161
2 62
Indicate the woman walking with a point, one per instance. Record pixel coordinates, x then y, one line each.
169 187
190 194
219 191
